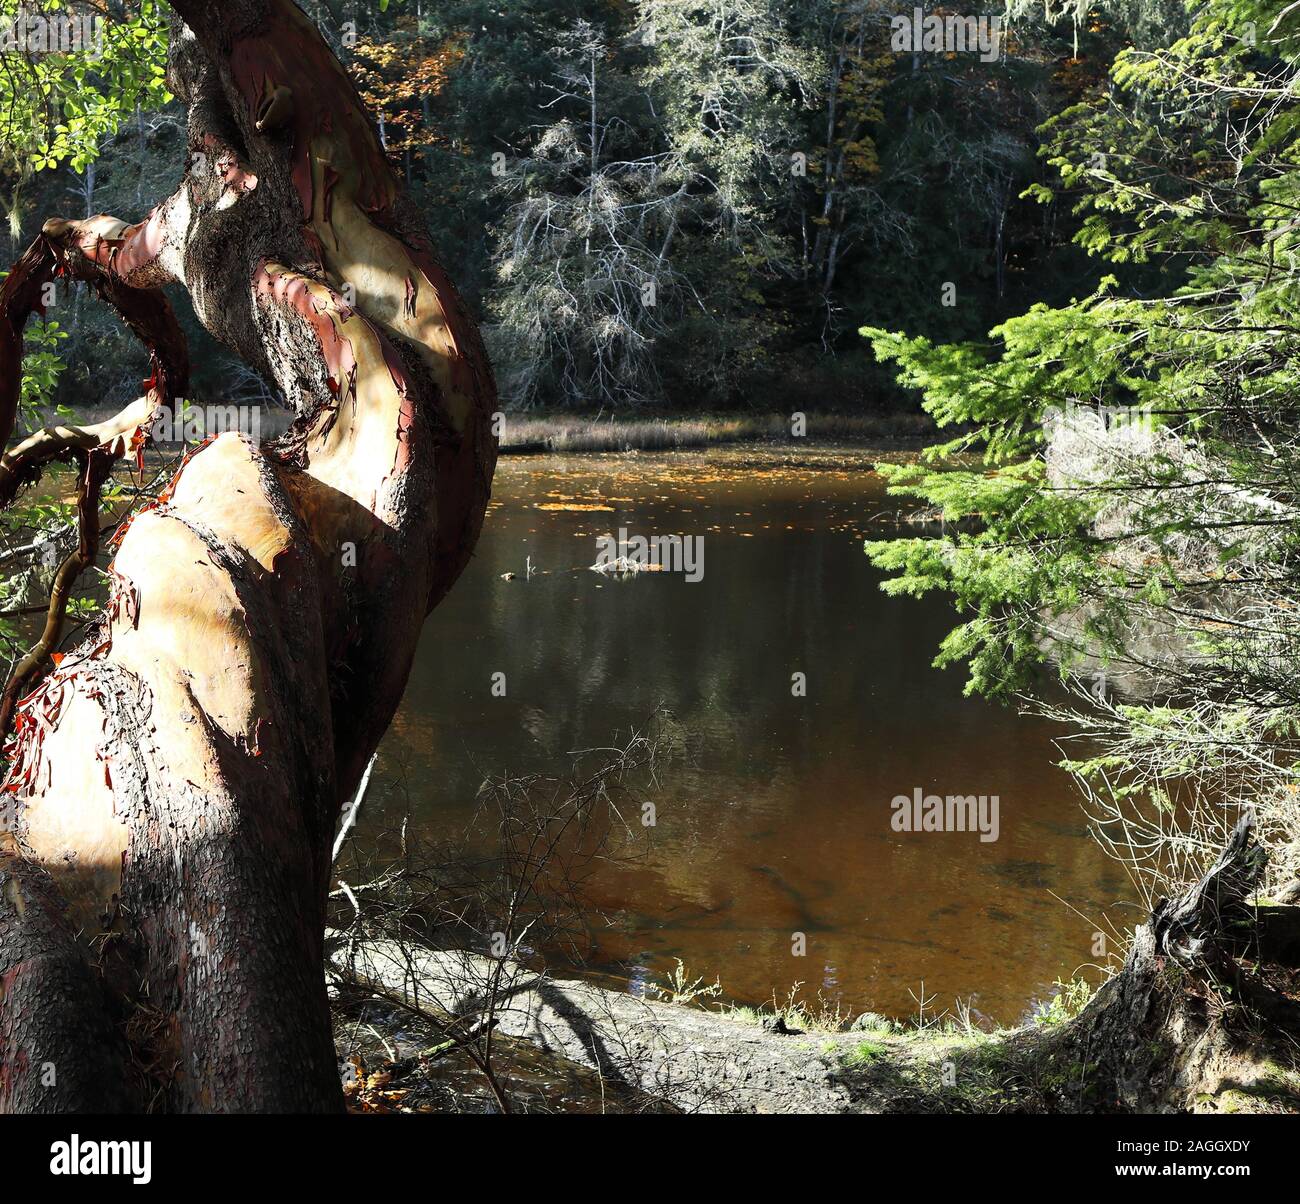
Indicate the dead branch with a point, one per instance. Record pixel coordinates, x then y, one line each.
123 432
95 466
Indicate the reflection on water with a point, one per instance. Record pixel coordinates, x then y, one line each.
781 821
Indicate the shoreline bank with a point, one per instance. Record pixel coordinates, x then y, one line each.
525 434
568 434
658 1055
1139 1044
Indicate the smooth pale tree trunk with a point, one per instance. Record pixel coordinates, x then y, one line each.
175 781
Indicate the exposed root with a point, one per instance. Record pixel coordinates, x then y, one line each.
1205 1000
1187 927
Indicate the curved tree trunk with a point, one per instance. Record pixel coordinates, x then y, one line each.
175 783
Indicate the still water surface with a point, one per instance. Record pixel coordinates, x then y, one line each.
780 821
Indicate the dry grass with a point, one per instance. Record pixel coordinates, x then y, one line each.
577 433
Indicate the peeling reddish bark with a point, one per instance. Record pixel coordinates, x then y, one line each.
145 310
175 783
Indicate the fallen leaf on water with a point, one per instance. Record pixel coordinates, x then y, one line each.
572 506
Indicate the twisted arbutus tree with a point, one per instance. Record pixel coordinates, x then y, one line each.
174 782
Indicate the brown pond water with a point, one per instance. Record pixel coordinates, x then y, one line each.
780 821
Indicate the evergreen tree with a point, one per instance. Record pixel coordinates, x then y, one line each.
1132 460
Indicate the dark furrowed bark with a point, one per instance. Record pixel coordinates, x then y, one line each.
59 1050
220 818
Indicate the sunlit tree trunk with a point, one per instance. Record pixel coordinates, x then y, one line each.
175 783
